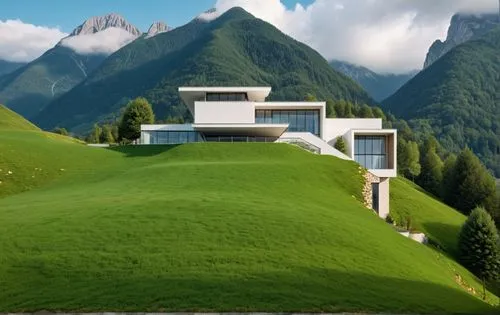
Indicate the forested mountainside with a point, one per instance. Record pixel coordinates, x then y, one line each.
458 99
235 49
31 87
7 67
379 86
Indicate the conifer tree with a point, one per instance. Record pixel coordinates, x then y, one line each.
340 145
478 246
471 185
431 175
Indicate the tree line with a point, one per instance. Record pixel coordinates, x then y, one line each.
127 128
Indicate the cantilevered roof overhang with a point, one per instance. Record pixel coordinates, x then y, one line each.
190 95
249 130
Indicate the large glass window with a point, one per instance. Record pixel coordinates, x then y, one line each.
214 138
226 97
299 120
175 137
371 152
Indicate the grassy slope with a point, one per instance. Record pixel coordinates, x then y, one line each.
430 216
11 120
30 158
207 227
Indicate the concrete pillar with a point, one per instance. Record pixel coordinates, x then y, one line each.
383 198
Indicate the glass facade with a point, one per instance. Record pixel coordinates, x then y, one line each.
174 137
371 152
299 120
227 97
239 139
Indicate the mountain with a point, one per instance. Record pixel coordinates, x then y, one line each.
100 23
8 66
458 99
28 89
157 28
233 49
379 86
463 27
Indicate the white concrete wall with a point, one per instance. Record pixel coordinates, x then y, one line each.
335 127
383 198
224 113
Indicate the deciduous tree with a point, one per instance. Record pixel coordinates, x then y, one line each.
138 112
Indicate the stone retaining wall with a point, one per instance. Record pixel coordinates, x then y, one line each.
367 189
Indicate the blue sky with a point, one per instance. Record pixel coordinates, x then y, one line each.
383 35
67 14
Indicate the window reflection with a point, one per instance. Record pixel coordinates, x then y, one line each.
371 152
174 137
299 120
226 97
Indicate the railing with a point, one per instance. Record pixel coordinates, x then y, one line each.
301 143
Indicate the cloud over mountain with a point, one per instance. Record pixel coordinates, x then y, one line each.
23 42
103 42
385 35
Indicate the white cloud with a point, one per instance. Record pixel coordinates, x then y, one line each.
103 42
384 35
24 42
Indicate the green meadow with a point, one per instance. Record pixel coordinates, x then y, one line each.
212 227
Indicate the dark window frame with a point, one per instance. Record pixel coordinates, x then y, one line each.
366 155
226 97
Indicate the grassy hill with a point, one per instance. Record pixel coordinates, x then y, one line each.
428 215
11 120
457 99
206 227
29 157
236 49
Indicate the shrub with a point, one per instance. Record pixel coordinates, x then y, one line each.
340 145
389 219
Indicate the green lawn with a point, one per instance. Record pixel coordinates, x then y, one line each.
205 227
428 215
11 120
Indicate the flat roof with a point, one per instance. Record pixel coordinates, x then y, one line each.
225 89
192 94
369 132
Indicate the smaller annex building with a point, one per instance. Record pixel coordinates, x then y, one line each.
241 114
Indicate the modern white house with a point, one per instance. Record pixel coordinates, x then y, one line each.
241 114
